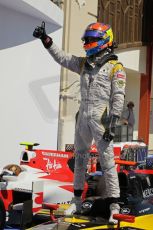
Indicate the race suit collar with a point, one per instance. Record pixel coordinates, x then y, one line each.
100 60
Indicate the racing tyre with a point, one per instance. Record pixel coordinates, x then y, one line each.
2 215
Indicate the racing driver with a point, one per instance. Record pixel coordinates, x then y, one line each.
102 86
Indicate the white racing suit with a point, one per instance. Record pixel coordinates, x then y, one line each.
102 94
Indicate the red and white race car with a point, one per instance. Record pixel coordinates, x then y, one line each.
44 178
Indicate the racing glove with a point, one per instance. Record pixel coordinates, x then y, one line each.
40 33
110 131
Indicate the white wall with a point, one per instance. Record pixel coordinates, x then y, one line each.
29 89
133 58
133 94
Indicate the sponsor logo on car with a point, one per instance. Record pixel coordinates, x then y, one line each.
148 192
52 164
144 210
87 205
61 155
125 210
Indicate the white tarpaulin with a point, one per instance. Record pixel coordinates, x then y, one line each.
29 89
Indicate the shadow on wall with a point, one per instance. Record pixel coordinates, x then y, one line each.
44 104
17 28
